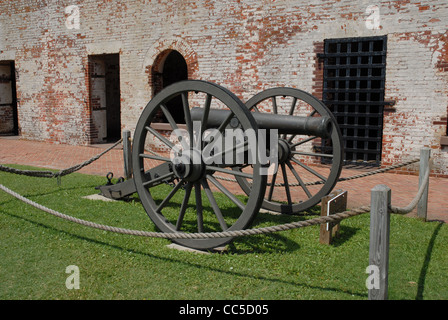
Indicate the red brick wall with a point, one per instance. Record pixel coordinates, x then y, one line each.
246 46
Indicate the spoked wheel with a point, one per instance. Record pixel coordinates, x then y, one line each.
182 163
307 168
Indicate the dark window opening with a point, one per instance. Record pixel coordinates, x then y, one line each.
354 82
8 99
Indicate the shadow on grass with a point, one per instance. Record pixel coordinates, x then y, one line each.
424 270
345 234
48 190
190 264
266 243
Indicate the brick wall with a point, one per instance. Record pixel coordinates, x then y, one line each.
246 46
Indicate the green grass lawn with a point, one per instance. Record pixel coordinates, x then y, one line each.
36 249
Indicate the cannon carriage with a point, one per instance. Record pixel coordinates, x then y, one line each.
263 147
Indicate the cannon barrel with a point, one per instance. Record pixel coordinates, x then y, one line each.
285 124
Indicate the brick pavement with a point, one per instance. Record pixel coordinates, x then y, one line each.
57 156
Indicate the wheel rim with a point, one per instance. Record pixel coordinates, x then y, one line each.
195 179
303 186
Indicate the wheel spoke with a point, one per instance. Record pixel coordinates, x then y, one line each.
317 174
152 152
291 137
188 120
229 194
293 105
291 112
208 101
285 182
224 124
231 149
271 188
169 117
161 137
152 182
154 157
294 172
274 105
253 107
183 206
312 154
197 189
302 142
231 172
169 196
204 120
214 205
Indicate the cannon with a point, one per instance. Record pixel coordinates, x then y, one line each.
293 128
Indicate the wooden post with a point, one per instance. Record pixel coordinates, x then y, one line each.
127 154
335 202
379 242
422 206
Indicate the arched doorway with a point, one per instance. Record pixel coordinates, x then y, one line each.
172 68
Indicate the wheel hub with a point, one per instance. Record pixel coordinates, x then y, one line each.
191 168
284 151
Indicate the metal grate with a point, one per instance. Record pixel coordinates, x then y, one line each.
354 80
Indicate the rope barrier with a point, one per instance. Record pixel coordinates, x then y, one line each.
411 206
224 234
361 175
61 173
181 235
382 170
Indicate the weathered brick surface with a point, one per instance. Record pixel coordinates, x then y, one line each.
246 46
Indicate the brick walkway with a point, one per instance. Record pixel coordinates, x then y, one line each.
56 156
